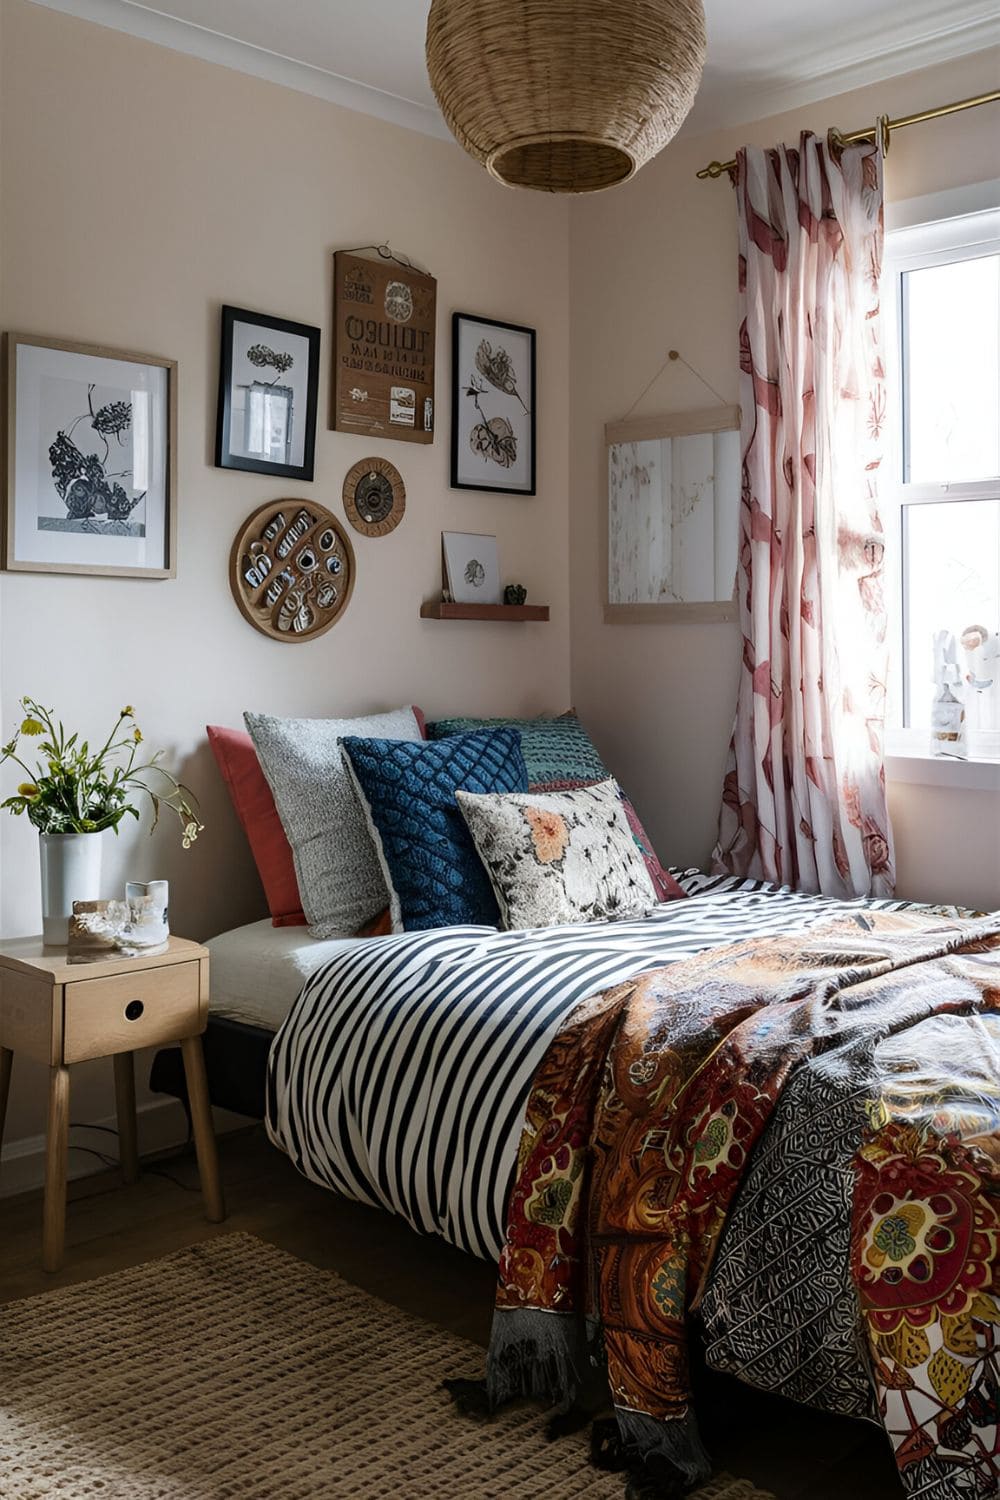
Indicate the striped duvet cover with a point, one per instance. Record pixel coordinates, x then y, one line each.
401 1074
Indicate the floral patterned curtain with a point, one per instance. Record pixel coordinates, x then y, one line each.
804 800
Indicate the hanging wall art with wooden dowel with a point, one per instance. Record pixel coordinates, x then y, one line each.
291 570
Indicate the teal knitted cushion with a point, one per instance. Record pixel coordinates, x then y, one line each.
556 751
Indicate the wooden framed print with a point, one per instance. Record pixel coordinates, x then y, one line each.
291 570
383 349
268 384
91 452
374 496
492 406
471 567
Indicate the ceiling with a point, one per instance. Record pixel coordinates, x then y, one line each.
369 54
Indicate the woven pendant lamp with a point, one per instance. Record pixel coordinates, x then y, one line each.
565 96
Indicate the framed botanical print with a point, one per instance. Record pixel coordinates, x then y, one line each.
90 484
268 381
493 406
471 567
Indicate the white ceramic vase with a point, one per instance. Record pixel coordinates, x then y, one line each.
71 871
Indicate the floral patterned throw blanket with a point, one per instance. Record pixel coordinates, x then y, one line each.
829 1103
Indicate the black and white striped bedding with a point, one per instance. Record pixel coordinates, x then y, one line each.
401 1074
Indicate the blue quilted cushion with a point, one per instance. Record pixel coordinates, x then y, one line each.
435 876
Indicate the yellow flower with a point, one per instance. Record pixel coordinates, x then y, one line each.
32 726
127 712
137 736
27 789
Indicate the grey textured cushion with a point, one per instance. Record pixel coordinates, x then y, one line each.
340 878
556 857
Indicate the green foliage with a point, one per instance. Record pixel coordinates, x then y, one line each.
73 789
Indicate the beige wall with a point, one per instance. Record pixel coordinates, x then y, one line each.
653 267
142 189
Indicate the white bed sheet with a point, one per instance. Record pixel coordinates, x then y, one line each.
257 971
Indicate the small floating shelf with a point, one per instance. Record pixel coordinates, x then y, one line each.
436 609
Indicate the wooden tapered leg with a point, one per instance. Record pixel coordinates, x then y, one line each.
56 1152
6 1066
204 1135
128 1137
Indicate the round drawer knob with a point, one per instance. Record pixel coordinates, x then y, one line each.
134 1010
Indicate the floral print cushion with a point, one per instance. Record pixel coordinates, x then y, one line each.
559 857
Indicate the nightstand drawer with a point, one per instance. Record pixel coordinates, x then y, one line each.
127 1011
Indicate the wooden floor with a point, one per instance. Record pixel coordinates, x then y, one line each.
796 1453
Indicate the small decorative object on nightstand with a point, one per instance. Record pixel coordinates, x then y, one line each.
61 1009
74 794
515 593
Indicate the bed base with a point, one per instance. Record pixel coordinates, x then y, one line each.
235 1062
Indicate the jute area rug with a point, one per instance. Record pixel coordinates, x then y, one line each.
232 1371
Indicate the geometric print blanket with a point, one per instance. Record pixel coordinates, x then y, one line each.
826 1106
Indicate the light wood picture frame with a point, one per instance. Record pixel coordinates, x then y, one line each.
629 438
90 481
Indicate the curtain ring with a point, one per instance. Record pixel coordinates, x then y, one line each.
883 132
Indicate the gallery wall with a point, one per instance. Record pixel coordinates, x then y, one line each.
653 267
141 189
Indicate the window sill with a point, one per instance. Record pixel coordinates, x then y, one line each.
917 768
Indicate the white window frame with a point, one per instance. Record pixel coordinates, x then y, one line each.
971 231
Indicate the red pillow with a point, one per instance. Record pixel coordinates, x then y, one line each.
241 770
237 760
666 887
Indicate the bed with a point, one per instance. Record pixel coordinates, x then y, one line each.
397 1071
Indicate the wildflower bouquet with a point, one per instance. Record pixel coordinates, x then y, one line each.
74 789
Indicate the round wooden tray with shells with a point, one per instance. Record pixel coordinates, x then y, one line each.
292 570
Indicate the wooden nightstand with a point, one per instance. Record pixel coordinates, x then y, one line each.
61 1009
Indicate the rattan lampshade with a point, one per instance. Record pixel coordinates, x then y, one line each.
566 96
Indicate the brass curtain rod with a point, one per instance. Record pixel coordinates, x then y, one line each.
883 124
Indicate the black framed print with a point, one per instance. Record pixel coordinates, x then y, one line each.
268 381
492 405
91 438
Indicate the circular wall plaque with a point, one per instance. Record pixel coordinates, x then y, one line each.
374 497
292 570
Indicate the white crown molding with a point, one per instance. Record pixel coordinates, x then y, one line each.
878 56
214 47
867 58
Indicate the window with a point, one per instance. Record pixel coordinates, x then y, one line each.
942 300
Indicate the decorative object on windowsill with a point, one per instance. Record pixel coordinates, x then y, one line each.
565 96
949 728
374 497
492 406
74 795
982 680
268 381
291 570
515 593
471 567
384 316
91 442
